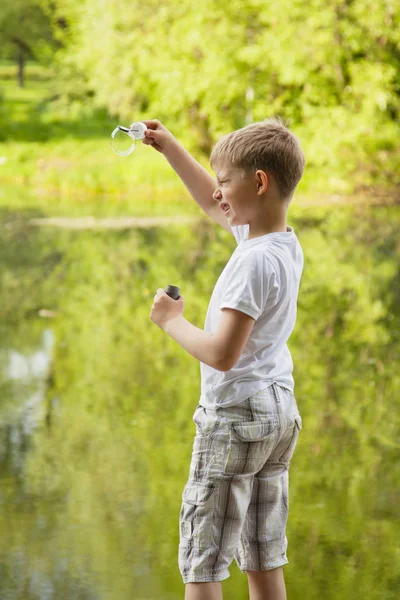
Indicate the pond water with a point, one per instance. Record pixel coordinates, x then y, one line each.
96 408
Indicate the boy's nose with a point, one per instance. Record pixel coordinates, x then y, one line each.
217 194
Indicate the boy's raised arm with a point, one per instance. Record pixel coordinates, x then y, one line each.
196 178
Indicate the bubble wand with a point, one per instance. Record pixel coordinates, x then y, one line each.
120 134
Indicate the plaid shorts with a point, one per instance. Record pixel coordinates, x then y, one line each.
236 500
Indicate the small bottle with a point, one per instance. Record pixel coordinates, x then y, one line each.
173 291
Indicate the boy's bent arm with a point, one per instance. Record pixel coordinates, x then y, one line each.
199 343
198 181
220 350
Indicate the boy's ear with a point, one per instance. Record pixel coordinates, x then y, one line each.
262 181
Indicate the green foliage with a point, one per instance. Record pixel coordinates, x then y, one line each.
329 69
25 30
61 150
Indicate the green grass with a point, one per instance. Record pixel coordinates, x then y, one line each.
56 158
60 161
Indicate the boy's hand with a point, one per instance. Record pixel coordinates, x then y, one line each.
157 136
165 309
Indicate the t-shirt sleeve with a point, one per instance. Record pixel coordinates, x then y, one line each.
248 281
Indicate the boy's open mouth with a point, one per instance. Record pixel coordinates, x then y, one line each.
225 207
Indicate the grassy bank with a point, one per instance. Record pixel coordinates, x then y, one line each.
56 158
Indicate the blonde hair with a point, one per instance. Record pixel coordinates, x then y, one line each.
267 145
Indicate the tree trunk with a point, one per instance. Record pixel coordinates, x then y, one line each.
21 65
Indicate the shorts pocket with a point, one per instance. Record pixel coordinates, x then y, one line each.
196 523
288 453
251 443
205 420
198 493
251 431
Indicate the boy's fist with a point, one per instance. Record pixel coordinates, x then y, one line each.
157 135
165 309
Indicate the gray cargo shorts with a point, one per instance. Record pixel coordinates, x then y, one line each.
236 500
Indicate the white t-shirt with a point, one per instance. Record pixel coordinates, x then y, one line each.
261 279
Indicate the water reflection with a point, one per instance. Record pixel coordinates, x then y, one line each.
95 415
34 366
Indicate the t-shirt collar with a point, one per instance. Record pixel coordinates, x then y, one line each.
279 236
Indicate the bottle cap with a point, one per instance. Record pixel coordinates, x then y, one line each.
173 291
136 130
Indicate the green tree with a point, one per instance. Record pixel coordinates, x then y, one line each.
329 68
26 32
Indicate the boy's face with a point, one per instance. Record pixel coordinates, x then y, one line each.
236 189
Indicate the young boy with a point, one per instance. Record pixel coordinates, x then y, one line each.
235 503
